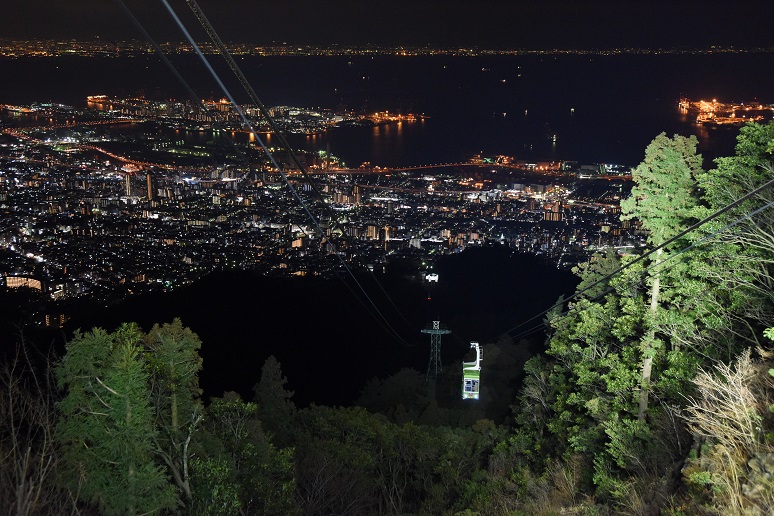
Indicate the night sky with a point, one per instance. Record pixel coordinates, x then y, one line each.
534 24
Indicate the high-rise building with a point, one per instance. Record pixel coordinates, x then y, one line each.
151 186
554 212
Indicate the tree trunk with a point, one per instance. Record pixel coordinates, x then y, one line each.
647 361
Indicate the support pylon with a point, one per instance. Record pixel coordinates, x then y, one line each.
434 365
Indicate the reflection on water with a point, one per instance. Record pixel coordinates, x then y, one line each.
702 133
612 122
601 126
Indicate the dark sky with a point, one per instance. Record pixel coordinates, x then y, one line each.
455 23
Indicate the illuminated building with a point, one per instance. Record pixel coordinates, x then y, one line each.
23 281
553 212
150 185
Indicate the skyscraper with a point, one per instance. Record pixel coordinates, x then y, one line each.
151 186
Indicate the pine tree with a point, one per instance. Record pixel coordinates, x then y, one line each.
173 361
106 427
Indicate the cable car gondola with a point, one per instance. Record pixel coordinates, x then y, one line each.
471 375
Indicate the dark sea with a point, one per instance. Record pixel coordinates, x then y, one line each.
592 109
601 109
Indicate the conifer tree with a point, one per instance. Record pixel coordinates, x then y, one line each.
106 427
275 404
173 361
662 199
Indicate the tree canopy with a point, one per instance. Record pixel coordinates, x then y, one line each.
654 394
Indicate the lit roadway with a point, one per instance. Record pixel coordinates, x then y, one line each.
389 170
418 190
20 133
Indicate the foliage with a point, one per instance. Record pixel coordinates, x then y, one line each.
647 398
739 261
261 474
401 397
213 492
643 335
735 468
665 190
106 429
351 462
173 361
275 406
592 272
136 393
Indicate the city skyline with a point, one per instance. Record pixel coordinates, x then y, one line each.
490 24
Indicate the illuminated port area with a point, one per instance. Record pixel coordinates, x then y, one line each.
106 202
289 119
713 112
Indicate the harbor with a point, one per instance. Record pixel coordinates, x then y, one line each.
726 113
